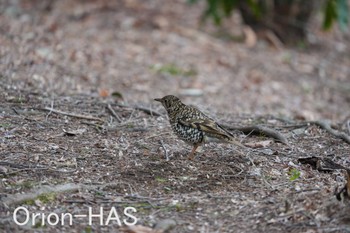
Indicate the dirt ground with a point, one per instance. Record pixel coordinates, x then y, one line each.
86 58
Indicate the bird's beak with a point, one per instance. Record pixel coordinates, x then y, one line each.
159 100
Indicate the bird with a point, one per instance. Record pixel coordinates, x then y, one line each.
193 126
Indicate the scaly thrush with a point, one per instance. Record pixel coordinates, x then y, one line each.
193 126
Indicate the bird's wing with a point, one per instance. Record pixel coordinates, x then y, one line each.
207 126
210 127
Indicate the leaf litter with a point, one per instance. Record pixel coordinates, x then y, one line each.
58 75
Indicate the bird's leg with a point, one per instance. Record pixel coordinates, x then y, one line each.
191 155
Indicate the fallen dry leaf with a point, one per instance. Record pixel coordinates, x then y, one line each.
250 37
74 132
141 229
260 144
103 93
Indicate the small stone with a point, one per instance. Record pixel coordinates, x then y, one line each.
165 225
45 53
191 92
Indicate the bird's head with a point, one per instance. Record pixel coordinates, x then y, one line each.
170 102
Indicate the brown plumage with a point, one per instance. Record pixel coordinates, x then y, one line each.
193 126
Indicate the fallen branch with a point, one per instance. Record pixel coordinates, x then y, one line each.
259 130
44 190
141 108
321 164
19 198
72 114
327 126
324 125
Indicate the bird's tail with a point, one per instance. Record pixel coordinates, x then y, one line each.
234 142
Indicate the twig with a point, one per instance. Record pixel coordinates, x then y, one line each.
344 193
114 113
229 176
107 201
256 129
141 108
22 168
308 190
129 119
79 201
148 111
47 115
14 165
158 135
15 110
165 150
25 169
275 41
72 114
294 126
147 198
101 127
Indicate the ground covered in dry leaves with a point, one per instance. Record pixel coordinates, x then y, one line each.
79 127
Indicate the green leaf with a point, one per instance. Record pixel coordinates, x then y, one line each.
192 1
172 69
255 7
330 14
213 11
228 6
333 10
343 14
294 174
117 94
161 180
